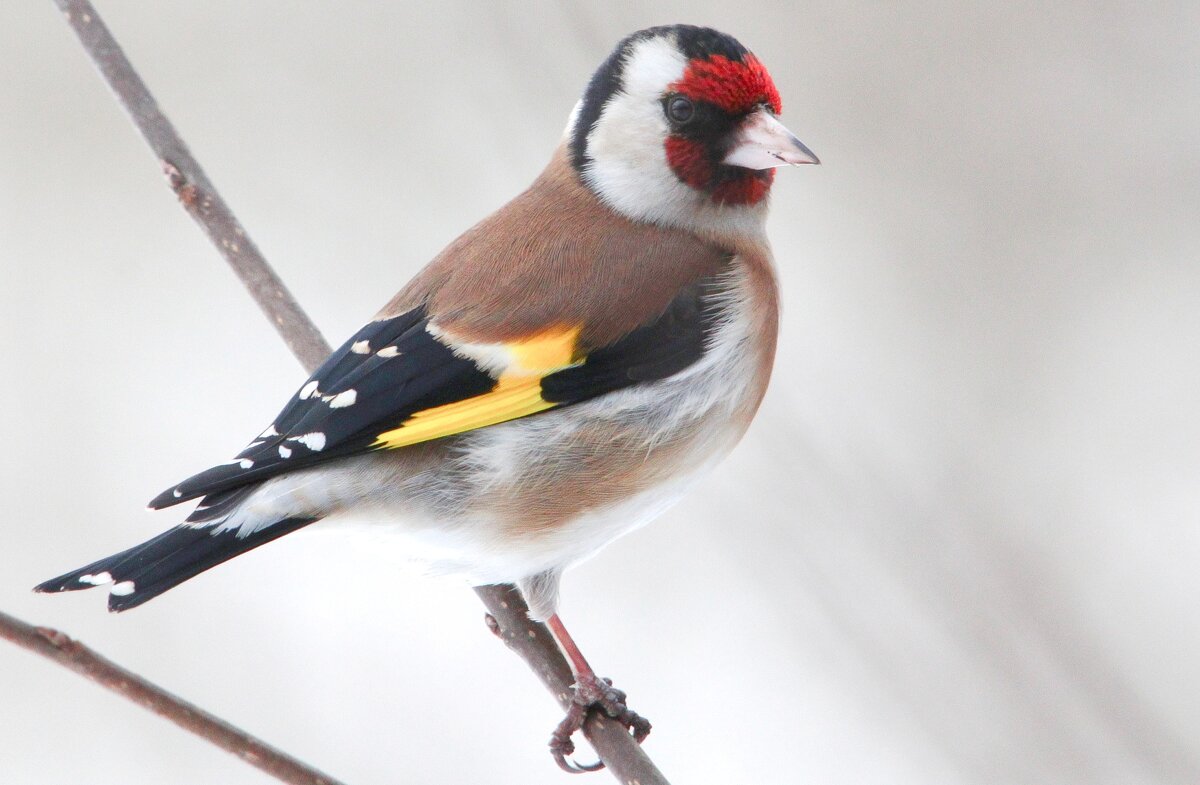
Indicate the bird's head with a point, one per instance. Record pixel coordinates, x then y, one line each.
680 126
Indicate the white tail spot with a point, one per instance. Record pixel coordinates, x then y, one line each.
388 351
343 399
360 347
308 390
122 589
285 452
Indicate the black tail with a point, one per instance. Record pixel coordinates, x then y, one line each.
146 571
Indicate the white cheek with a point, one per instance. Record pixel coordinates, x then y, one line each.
628 165
631 131
627 147
652 64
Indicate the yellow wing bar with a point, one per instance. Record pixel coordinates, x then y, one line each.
514 396
518 393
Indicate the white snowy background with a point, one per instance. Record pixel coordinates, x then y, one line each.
959 546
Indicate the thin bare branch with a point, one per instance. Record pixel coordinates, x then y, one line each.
195 192
507 612
532 641
74 655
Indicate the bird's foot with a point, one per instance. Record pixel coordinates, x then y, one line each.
592 691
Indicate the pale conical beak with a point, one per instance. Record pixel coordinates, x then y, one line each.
762 142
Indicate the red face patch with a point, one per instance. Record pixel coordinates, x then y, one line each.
691 163
733 86
750 188
736 88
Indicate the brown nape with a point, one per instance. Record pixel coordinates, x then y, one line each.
553 256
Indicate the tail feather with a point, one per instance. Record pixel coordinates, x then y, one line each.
147 570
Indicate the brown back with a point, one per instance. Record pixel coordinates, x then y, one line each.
557 256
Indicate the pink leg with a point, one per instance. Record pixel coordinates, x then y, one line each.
590 691
579 664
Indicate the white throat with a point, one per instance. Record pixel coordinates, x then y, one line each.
627 163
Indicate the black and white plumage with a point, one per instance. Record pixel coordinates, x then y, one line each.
394 369
384 377
557 376
591 301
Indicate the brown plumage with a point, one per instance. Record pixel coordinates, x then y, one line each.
556 377
557 255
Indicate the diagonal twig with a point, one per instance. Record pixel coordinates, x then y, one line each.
507 612
196 193
72 654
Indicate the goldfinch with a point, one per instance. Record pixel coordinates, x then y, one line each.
557 376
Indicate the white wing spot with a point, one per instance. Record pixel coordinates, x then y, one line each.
308 390
388 351
122 589
314 441
99 579
285 452
343 399
495 358
269 432
245 463
360 347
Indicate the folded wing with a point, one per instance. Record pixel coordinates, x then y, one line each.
400 381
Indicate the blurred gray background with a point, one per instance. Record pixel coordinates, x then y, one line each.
959 546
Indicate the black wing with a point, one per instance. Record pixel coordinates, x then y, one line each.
395 368
386 372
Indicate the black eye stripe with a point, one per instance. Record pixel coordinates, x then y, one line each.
707 122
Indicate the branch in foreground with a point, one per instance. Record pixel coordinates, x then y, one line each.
79 658
508 613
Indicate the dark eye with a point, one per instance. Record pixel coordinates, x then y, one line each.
680 109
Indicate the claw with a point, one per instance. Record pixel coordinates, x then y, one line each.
601 694
571 767
561 745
